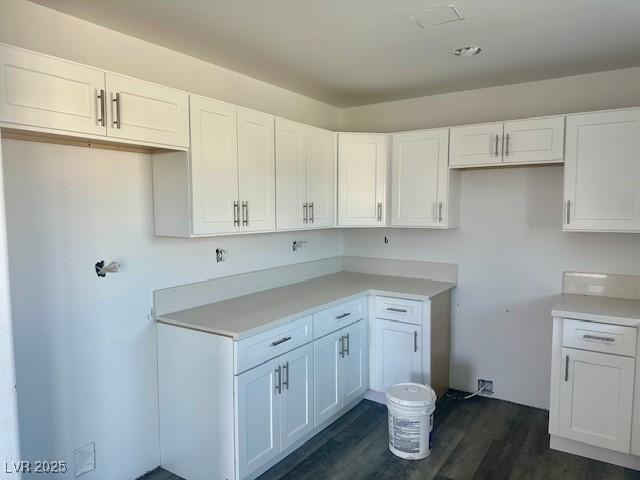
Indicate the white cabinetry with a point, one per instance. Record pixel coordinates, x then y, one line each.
226 183
596 399
398 353
518 142
341 370
305 176
45 92
592 390
602 172
146 112
362 178
425 193
57 96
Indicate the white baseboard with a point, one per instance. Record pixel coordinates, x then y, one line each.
596 453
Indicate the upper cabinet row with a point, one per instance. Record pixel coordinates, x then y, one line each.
43 92
235 170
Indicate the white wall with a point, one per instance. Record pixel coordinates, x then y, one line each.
38 28
85 346
9 441
579 93
510 248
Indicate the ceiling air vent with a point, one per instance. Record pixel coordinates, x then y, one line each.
437 15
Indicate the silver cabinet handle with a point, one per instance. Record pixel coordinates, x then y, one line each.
399 310
285 369
245 213
597 337
497 136
568 211
343 315
379 211
440 212
312 213
415 340
346 350
116 101
278 342
305 213
342 347
506 145
102 99
566 368
236 214
279 381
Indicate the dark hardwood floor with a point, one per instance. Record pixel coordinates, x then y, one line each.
479 438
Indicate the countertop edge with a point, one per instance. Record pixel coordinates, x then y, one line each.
167 320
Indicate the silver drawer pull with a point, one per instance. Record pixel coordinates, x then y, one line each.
278 342
399 310
343 315
597 337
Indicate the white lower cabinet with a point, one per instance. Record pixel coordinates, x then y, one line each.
596 399
398 353
341 370
296 412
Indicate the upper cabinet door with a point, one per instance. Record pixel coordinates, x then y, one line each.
596 399
292 209
214 167
321 177
534 141
419 176
40 91
476 145
146 112
256 163
362 164
602 171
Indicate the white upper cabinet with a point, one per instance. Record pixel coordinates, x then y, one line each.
145 112
425 193
534 141
256 167
362 177
292 207
602 172
476 145
214 167
321 177
305 176
45 92
537 140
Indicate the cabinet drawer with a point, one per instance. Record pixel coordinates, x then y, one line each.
259 348
335 318
408 311
599 337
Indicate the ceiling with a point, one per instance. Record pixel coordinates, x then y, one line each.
352 52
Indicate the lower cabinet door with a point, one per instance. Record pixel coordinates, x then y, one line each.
327 388
354 363
258 416
596 399
296 407
398 353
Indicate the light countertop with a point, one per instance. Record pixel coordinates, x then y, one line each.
618 311
247 315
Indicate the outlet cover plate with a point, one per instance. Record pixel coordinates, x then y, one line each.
489 389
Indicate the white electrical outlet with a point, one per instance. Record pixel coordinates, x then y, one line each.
84 459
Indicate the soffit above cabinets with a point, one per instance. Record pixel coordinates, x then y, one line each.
366 51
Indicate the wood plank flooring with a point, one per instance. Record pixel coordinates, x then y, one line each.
479 438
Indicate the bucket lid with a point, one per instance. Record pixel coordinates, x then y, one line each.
412 395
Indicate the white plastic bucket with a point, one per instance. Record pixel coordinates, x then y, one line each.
411 407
